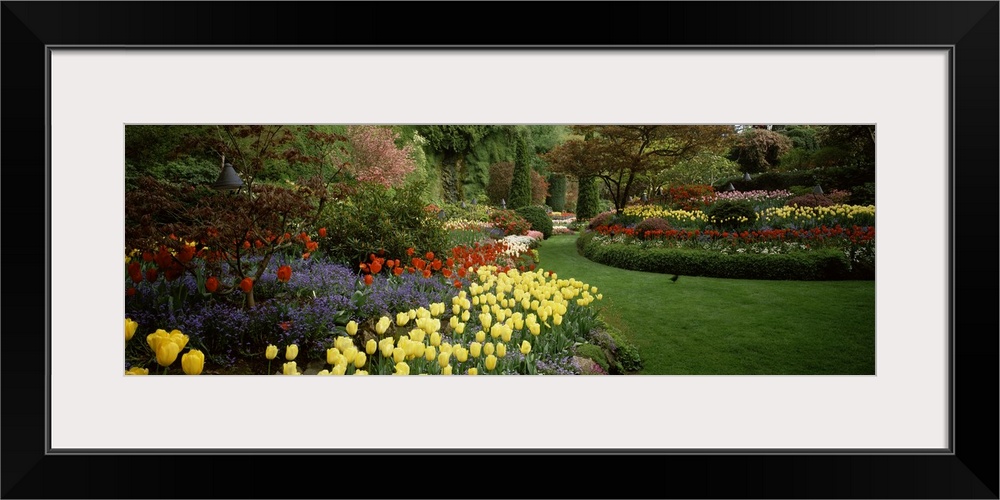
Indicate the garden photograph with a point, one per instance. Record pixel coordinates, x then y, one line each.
499 249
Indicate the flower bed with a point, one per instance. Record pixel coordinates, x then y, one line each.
790 230
482 309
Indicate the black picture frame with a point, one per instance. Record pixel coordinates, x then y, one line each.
970 28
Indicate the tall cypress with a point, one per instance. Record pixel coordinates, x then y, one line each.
520 186
588 201
557 192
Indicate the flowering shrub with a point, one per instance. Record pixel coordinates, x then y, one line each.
509 222
691 197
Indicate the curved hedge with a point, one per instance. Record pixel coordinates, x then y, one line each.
538 218
815 265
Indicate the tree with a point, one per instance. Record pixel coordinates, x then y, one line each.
173 224
619 155
857 141
374 156
758 149
703 168
520 186
557 192
588 198
453 142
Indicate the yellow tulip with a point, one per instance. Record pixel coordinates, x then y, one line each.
382 325
166 353
430 353
192 362
461 354
135 370
352 328
154 339
466 315
371 346
488 348
291 352
402 318
460 329
491 362
557 319
525 347
361 372
350 354
331 355
386 346
359 360
130 327
289 368
402 369
456 309
475 349
398 354
271 352
339 369
411 313
324 372
501 350
453 322
443 359
435 339
473 371
343 343
179 338
446 370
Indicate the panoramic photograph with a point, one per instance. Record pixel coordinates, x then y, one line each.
525 249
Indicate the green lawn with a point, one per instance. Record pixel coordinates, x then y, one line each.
713 326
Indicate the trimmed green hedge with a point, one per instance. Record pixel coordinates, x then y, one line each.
538 217
815 265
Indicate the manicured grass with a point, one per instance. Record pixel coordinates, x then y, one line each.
713 326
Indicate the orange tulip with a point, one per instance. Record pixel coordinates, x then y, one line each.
284 273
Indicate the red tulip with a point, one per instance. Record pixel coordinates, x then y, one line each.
368 279
284 273
151 274
212 284
246 285
322 232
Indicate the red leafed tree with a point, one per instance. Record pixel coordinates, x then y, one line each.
374 156
620 155
243 231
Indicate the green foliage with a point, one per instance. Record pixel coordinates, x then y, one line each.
595 353
184 171
863 194
622 356
520 186
820 264
758 150
538 218
466 210
583 240
376 218
703 168
557 192
498 187
731 214
588 201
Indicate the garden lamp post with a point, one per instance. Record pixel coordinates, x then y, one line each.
818 189
746 176
730 187
228 179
